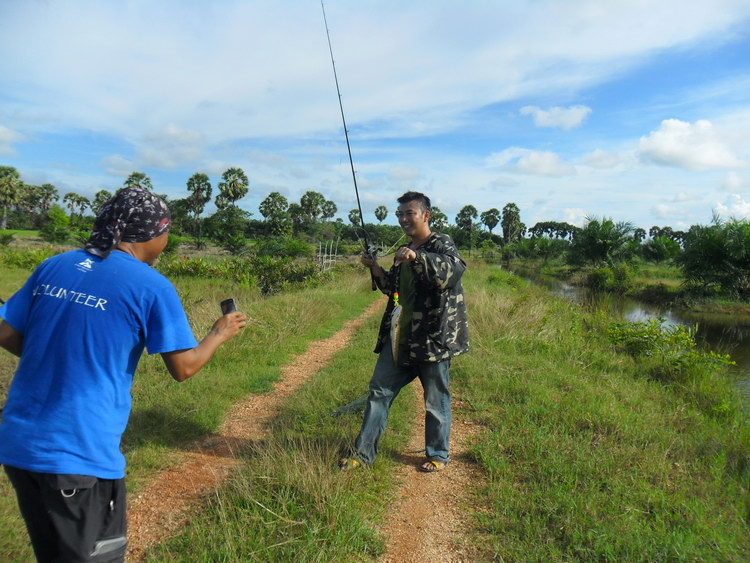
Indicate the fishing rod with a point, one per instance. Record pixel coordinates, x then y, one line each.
371 250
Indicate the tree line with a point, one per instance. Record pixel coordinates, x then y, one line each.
710 256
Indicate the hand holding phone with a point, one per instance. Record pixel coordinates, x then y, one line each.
228 306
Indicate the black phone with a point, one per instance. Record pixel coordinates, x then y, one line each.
228 306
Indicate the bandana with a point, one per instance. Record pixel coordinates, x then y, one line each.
132 215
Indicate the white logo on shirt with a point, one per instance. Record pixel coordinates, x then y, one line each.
86 265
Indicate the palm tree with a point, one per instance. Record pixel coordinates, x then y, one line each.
10 186
100 198
76 203
438 219
47 195
274 204
490 218
233 188
466 217
328 210
312 204
200 188
513 228
601 242
381 212
138 180
354 217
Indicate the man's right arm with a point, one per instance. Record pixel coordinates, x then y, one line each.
183 364
10 339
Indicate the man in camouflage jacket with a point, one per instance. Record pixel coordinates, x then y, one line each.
425 280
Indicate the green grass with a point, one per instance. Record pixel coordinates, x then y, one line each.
585 458
289 502
167 416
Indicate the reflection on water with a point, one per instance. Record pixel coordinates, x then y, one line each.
726 334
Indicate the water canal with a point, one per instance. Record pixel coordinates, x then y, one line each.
723 333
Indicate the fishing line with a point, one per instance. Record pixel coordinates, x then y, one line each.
346 135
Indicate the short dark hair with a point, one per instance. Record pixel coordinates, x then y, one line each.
420 198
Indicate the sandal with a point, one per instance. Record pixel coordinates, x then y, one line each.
349 463
432 466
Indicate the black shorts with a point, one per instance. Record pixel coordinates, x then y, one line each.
72 517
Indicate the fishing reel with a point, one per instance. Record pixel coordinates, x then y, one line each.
372 251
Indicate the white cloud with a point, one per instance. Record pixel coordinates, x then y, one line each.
735 183
601 159
505 156
668 212
540 163
171 147
117 165
404 173
695 146
503 182
575 216
735 206
135 66
544 164
526 161
557 117
7 138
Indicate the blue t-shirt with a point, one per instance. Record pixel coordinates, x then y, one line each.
85 322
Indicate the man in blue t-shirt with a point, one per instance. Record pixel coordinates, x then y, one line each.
79 325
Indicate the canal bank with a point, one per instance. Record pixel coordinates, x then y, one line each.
721 332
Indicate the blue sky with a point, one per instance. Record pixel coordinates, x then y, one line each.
636 110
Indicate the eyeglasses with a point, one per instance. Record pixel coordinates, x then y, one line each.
410 213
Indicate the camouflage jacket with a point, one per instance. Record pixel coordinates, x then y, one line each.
439 328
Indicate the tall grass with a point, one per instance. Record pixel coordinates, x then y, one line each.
587 458
587 452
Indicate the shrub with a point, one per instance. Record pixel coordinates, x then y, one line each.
280 247
234 244
600 242
57 227
718 255
660 249
27 259
173 243
6 238
671 355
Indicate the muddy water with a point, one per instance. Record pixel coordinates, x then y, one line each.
727 334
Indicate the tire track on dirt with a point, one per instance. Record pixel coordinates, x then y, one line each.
164 506
428 521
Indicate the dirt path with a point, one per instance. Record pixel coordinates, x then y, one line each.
428 522
160 510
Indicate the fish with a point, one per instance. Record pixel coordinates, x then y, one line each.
395 331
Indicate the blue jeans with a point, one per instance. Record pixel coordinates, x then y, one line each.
387 380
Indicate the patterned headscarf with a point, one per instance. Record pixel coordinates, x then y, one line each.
132 215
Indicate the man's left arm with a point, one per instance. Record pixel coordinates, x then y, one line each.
440 266
10 339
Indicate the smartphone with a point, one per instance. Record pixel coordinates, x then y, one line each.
228 306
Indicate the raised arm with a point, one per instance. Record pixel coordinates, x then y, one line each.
441 268
183 364
10 339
